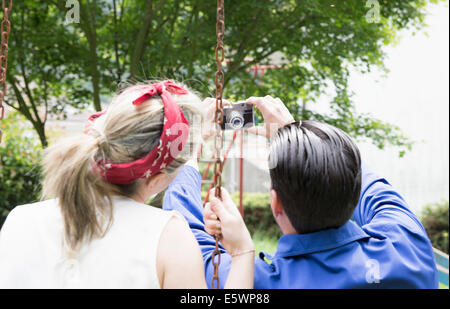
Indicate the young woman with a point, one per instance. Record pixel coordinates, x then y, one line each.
95 230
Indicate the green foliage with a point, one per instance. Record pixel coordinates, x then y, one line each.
321 45
264 243
45 65
253 200
120 41
435 220
20 175
258 215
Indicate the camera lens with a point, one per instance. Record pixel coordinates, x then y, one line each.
236 120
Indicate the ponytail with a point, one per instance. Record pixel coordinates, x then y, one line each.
84 198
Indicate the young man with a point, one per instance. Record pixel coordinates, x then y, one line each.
343 226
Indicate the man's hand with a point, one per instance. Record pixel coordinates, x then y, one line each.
222 218
275 114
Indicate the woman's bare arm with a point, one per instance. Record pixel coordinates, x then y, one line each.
179 260
180 263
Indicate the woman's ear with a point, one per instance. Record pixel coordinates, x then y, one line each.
275 204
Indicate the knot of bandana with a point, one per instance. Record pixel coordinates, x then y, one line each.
160 89
173 138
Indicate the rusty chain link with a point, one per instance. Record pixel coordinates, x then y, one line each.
218 141
5 29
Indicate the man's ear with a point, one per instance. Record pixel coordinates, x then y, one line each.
275 204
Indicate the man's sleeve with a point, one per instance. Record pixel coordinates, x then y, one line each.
379 201
383 213
184 196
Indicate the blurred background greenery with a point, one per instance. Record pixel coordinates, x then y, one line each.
57 67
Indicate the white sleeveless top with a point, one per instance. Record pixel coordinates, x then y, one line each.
32 254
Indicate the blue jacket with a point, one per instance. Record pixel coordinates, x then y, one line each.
383 246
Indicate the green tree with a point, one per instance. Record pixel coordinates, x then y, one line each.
20 172
435 220
120 41
44 72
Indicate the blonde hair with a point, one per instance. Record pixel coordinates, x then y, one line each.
124 134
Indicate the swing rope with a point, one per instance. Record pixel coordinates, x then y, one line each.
218 140
5 29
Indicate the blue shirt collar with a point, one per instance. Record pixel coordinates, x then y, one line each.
298 244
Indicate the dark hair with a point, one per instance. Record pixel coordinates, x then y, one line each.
315 170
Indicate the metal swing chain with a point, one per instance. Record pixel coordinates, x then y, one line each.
218 141
5 29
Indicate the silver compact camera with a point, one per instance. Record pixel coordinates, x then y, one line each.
237 116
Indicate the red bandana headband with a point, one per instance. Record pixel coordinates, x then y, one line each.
173 138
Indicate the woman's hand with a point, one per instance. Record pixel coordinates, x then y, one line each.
222 218
275 114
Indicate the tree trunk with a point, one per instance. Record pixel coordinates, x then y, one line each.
87 24
141 37
95 75
40 129
38 124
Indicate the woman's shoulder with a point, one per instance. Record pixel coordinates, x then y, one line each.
25 217
34 209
